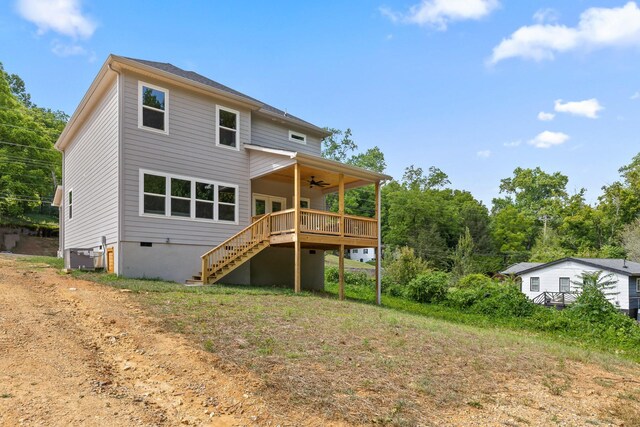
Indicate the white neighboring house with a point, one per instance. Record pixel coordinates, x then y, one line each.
362 254
556 277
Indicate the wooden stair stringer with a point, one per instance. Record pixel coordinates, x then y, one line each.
236 262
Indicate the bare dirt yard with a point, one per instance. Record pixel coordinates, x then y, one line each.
75 352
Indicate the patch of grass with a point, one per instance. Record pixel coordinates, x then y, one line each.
333 261
208 346
54 262
6 395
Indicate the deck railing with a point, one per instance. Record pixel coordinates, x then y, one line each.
283 221
556 298
323 222
358 226
235 246
319 222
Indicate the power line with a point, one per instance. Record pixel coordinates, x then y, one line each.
25 128
25 146
26 200
28 161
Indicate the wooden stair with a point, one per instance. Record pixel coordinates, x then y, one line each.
233 252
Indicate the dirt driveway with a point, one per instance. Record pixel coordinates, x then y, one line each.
76 353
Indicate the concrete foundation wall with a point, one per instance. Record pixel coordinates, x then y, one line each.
274 266
170 262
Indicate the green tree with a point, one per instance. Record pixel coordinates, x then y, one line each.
631 240
29 165
462 258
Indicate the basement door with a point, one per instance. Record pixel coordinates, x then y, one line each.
263 204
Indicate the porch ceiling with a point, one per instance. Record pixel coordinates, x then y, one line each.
279 164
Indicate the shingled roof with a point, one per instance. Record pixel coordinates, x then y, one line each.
621 266
192 75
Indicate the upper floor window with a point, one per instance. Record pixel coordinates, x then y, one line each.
534 284
297 137
227 127
70 203
177 196
153 103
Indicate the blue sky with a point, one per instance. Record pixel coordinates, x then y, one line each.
459 84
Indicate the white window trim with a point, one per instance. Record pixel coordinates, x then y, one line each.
166 108
167 201
531 284
70 205
218 127
291 138
560 284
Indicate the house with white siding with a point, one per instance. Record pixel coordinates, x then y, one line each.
552 282
172 175
362 254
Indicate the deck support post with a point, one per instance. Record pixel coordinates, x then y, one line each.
378 246
296 226
341 272
341 202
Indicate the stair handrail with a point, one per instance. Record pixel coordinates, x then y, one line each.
260 231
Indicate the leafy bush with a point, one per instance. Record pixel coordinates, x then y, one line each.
477 293
332 274
403 266
474 281
429 287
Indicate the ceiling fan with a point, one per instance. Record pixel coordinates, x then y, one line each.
313 183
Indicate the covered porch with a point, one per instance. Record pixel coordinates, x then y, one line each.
288 207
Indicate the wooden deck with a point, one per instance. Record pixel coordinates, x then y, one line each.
322 229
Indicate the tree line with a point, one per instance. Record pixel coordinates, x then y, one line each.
534 219
30 167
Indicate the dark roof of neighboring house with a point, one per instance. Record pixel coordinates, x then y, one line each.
191 75
621 266
521 266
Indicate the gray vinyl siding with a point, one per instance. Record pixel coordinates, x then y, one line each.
91 171
189 150
261 163
633 295
270 134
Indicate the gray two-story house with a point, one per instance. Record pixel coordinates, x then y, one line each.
173 175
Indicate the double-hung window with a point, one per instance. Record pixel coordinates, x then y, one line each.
534 284
227 121
153 105
189 198
638 285
565 284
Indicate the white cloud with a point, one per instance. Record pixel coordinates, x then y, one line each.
587 108
597 28
512 143
545 16
545 117
484 154
439 13
548 139
635 96
61 16
64 50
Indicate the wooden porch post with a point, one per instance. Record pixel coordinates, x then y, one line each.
296 226
341 202
379 247
341 272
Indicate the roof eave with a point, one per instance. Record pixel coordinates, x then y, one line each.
135 65
294 121
580 261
